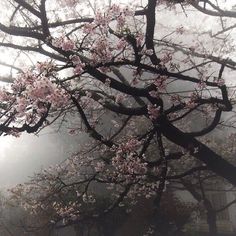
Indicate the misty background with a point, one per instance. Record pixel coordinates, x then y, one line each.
21 157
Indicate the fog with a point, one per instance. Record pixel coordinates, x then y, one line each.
21 157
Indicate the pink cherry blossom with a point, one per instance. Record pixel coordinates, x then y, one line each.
153 111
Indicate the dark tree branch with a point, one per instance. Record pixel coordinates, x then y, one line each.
26 127
28 7
44 19
18 31
150 27
89 128
218 12
200 151
209 128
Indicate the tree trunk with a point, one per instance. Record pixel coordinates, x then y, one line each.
211 218
197 149
211 214
211 221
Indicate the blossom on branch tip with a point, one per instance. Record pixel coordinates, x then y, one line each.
64 43
153 111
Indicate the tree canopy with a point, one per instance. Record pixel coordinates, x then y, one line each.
147 80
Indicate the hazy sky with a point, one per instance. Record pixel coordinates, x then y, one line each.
21 157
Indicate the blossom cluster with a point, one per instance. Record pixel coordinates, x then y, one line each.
130 165
153 111
106 35
31 93
79 65
64 43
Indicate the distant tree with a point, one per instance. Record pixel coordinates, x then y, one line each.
203 185
114 70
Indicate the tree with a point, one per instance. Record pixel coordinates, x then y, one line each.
118 63
203 185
